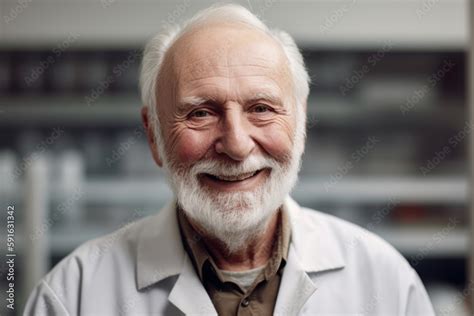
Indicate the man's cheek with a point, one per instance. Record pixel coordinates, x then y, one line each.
191 147
278 144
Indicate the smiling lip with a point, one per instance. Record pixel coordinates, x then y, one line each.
241 182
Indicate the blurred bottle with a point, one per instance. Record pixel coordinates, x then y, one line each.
5 73
70 185
64 75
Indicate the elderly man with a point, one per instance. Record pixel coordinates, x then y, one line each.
225 103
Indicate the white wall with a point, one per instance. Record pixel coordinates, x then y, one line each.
436 24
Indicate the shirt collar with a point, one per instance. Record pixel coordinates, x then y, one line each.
193 243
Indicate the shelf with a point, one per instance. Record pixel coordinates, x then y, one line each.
337 113
432 190
119 110
420 243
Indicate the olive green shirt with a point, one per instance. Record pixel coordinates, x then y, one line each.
227 296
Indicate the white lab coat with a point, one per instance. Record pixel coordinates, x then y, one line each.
333 268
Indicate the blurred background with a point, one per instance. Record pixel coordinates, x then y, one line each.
388 126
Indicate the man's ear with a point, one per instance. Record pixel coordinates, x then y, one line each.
147 124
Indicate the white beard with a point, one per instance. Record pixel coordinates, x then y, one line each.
234 218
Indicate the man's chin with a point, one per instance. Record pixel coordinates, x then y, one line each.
233 203
237 226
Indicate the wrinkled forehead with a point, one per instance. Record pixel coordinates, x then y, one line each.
228 51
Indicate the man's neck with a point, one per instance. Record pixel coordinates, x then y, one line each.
255 254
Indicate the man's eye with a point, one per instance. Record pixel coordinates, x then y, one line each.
200 113
261 108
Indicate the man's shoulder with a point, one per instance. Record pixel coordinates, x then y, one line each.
116 247
343 255
357 244
340 228
89 267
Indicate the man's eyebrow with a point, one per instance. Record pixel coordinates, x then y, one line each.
268 96
193 101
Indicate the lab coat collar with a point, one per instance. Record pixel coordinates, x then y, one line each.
316 247
160 253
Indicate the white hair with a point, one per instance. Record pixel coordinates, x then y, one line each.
157 47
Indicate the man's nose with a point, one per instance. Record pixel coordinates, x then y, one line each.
235 140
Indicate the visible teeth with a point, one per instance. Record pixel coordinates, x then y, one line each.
236 177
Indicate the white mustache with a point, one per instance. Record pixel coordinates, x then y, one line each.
219 168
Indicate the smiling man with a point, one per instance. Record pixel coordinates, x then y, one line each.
225 108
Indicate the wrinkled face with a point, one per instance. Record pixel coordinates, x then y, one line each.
228 122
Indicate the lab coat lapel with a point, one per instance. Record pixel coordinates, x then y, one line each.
188 293
296 287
